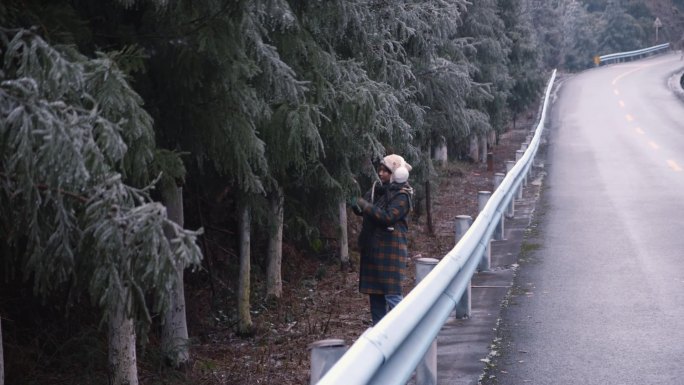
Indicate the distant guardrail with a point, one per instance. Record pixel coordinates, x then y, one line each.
389 352
620 56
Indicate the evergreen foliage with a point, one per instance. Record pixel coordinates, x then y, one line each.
70 219
207 102
489 57
579 37
614 26
525 59
544 18
621 31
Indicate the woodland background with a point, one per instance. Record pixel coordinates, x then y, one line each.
172 170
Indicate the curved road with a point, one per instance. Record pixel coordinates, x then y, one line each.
601 301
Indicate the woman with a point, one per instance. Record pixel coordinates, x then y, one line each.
383 238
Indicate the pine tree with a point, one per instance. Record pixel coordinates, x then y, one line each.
441 70
544 18
525 65
358 77
489 57
291 135
579 37
621 31
332 47
212 101
74 222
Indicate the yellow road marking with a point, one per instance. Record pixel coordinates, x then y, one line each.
621 103
617 78
653 145
639 130
629 117
674 166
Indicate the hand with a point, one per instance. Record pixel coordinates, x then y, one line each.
353 202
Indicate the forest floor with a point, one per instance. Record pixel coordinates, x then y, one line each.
321 301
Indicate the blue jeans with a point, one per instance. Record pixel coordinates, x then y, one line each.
380 304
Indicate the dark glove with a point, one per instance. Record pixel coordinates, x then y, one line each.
362 203
353 202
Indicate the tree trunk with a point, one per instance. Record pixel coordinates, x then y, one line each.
440 152
344 237
274 281
473 153
122 361
2 358
175 328
428 208
483 148
515 118
244 317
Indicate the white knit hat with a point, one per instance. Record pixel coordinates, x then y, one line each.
398 167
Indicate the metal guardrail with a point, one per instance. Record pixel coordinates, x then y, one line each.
389 352
630 54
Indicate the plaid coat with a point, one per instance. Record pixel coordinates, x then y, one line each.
383 239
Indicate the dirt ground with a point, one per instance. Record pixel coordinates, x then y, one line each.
322 302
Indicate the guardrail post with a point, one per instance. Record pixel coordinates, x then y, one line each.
518 156
498 178
511 205
464 305
499 232
528 174
324 354
486 261
509 165
426 371
524 147
531 171
461 225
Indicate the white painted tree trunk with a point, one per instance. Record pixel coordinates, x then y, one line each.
344 238
492 138
2 358
122 360
441 154
274 281
244 317
483 148
473 151
175 342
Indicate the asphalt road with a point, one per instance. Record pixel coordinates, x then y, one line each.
600 299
